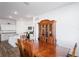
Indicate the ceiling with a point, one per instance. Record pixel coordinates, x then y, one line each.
16 10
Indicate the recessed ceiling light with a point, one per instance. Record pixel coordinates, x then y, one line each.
15 12
10 17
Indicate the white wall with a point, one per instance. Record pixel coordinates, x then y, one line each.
67 21
22 25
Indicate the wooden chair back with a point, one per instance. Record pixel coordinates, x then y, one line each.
28 48
74 50
21 49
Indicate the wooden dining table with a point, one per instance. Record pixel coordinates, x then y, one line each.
40 49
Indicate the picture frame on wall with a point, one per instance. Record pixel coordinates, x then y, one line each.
29 27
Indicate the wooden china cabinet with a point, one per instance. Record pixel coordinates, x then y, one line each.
47 31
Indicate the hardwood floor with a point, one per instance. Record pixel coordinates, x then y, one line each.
6 50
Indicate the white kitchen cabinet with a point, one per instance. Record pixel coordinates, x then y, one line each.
7 30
